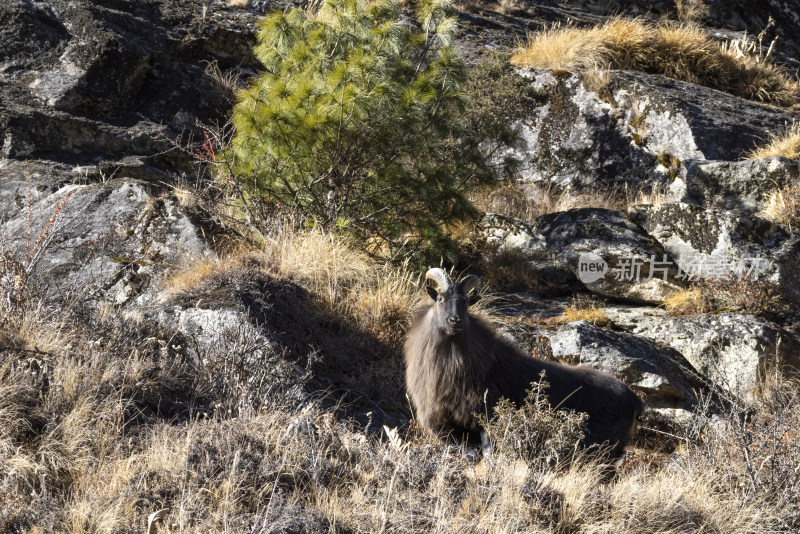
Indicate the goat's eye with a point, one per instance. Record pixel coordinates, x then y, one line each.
440 297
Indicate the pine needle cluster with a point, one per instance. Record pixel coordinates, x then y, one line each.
358 122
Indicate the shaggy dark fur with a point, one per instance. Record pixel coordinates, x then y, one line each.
453 359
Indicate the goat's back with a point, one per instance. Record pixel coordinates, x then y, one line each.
448 380
612 407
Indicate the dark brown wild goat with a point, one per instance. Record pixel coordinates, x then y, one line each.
455 362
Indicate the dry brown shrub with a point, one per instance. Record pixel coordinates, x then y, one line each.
730 293
741 294
783 207
596 79
750 448
535 432
528 201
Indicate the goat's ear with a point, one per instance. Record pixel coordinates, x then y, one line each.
431 291
470 285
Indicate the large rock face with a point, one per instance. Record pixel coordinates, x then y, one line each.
607 253
92 98
690 121
81 80
110 242
731 351
661 373
643 130
708 244
577 140
740 185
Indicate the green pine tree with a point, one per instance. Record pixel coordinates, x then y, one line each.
358 121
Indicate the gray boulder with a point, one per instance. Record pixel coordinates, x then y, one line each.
693 122
639 130
709 243
611 255
507 233
662 373
578 139
734 352
111 242
742 185
604 251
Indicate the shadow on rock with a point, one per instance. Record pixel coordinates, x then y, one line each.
271 337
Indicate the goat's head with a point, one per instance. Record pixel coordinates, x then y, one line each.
450 300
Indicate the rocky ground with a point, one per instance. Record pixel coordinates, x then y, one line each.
99 99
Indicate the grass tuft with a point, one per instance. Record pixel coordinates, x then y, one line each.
786 145
692 10
528 201
783 207
592 314
682 51
687 301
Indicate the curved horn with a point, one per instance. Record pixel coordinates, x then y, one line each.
469 284
441 277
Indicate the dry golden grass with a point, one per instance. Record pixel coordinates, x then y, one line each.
783 207
528 201
786 144
733 293
682 51
596 79
686 302
194 272
592 314
344 281
652 197
112 420
692 10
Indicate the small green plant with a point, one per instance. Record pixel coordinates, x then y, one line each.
357 122
535 432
